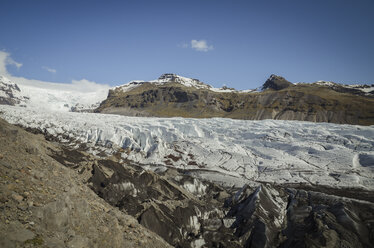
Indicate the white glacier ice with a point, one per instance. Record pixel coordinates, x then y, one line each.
78 95
229 151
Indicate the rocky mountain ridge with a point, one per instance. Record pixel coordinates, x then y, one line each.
172 96
173 78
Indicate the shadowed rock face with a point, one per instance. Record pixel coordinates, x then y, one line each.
271 217
182 210
265 216
279 99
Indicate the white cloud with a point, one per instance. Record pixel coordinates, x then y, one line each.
83 85
51 70
201 45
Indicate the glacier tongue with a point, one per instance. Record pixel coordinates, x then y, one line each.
233 152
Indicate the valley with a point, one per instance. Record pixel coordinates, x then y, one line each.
281 181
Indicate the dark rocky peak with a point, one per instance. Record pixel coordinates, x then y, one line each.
275 82
168 76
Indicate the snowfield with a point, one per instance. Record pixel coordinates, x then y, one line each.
76 96
61 100
232 152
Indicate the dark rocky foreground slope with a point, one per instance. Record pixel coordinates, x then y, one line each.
279 99
45 204
49 198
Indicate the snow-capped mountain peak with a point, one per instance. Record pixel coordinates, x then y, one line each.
188 82
174 78
10 93
166 78
325 83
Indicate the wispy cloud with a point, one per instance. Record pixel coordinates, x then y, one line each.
83 85
5 60
10 61
201 45
51 70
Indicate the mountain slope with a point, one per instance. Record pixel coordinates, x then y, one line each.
279 99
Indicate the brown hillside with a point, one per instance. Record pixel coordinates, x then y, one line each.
281 100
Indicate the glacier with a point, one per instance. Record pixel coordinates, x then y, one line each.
77 96
226 151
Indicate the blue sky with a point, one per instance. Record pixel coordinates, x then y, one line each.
233 43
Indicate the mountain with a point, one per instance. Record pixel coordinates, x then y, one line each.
172 95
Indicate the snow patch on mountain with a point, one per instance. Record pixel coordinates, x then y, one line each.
368 89
364 88
233 152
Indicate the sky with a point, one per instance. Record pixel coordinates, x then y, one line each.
234 43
